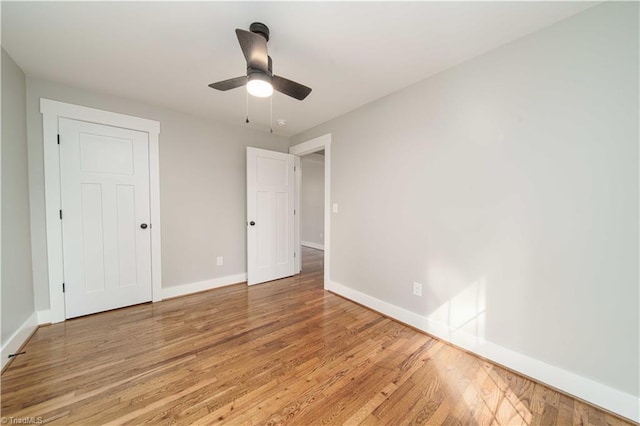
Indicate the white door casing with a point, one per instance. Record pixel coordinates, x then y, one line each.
297 247
270 215
104 174
52 113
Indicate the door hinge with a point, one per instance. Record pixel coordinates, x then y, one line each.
60 214
58 139
294 254
63 289
294 167
294 211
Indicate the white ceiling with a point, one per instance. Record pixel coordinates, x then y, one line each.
166 53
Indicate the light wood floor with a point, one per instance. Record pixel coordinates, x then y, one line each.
281 352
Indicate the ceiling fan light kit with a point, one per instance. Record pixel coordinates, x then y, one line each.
259 85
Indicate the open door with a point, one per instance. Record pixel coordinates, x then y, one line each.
270 215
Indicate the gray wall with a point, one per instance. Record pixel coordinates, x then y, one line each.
312 199
508 186
17 282
202 186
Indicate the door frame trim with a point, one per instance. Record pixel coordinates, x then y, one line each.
51 112
304 148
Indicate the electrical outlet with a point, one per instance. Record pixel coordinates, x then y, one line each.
335 207
417 289
219 261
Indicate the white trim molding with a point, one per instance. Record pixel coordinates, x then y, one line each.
312 245
298 214
313 159
52 111
598 394
309 147
44 317
19 338
185 289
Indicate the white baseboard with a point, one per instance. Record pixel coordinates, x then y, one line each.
312 245
611 399
44 317
19 338
182 290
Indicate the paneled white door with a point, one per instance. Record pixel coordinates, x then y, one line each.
104 173
270 214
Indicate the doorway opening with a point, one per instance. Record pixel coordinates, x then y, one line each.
312 202
317 147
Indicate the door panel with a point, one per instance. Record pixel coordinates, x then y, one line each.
283 245
105 198
270 192
101 154
126 211
262 215
92 241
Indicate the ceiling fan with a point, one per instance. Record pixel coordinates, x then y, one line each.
260 80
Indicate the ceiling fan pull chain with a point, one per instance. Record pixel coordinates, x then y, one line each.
271 114
247 104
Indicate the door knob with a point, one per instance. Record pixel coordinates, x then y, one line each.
144 226
252 223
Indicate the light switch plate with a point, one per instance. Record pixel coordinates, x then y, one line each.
417 289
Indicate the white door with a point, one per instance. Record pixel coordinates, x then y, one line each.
270 213
104 173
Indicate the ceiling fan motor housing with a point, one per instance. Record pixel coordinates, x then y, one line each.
254 70
260 28
258 75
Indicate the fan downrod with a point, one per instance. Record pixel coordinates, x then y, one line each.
260 28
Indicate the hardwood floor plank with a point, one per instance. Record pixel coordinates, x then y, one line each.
284 352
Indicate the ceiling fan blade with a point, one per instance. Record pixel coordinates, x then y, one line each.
290 88
232 83
254 48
